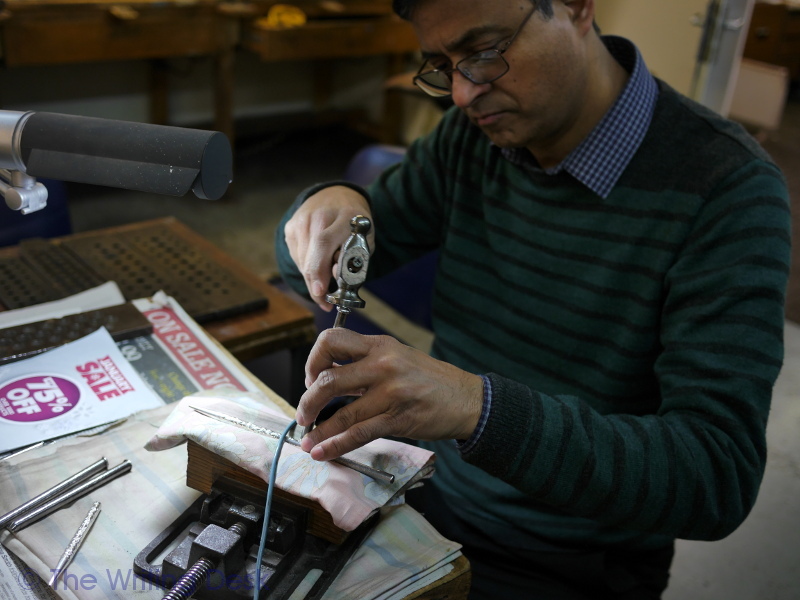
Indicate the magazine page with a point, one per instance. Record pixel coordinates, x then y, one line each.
76 386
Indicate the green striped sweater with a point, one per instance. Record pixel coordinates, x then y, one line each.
631 342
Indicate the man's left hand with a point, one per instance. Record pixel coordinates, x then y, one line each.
401 392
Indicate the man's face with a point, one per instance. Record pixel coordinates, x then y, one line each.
539 100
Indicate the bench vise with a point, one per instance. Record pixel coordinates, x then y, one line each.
210 551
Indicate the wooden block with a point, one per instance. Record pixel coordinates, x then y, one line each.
205 467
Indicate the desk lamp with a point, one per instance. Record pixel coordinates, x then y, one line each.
121 154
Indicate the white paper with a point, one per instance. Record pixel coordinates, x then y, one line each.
19 582
107 294
79 385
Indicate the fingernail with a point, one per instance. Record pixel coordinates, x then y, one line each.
316 453
316 288
306 444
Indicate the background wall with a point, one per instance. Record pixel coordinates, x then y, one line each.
662 31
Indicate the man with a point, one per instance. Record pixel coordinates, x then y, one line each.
608 306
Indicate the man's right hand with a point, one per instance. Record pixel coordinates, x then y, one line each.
315 234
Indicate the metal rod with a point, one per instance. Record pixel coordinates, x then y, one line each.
69 496
56 490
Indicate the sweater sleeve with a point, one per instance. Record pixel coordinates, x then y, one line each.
693 469
407 208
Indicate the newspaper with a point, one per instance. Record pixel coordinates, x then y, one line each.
19 582
179 358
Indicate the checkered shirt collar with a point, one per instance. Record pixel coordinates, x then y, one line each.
600 159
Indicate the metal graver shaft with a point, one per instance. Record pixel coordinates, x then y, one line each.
341 316
376 474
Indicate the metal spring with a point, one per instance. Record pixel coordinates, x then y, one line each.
191 581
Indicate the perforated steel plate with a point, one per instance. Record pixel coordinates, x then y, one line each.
41 272
22 285
58 265
145 261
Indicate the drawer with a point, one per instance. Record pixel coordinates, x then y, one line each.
316 9
789 47
792 26
331 38
98 32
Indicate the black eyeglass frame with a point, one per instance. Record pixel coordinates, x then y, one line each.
428 87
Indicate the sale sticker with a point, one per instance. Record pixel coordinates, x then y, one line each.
77 386
37 398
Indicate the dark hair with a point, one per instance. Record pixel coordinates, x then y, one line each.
404 8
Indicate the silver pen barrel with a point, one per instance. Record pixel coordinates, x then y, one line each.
365 469
56 490
69 496
75 543
355 465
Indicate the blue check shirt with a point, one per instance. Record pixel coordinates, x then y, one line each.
600 159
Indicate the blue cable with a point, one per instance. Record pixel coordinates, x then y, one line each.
265 525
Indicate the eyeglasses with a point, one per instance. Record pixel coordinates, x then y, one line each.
485 66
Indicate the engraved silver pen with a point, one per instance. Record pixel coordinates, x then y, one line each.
376 474
75 543
69 496
56 490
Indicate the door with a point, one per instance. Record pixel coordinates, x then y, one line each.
694 45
